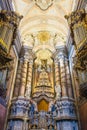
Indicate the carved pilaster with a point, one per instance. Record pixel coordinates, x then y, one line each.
68 79
63 76
18 79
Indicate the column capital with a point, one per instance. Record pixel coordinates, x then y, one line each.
60 52
76 17
27 54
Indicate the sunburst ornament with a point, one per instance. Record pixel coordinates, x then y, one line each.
43 36
44 4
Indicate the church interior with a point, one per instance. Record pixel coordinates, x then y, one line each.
43 64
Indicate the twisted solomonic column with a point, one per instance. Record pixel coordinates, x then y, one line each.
29 78
63 84
24 73
57 73
57 78
18 79
26 77
63 74
65 104
20 105
23 78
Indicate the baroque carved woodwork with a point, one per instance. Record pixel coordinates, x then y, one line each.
44 4
43 80
83 90
9 22
78 26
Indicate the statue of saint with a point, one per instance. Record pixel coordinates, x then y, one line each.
43 75
58 91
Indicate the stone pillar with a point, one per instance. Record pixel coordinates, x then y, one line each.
68 79
65 105
18 79
63 74
25 54
24 73
57 78
29 78
23 77
57 73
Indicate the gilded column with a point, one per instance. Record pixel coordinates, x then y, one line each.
35 77
24 74
18 79
24 55
57 72
63 74
65 105
52 77
57 77
29 78
23 78
20 106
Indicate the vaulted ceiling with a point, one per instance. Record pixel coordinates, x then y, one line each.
43 25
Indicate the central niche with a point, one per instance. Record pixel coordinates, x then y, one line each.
43 105
43 76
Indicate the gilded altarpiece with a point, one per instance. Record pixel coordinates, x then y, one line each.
43 79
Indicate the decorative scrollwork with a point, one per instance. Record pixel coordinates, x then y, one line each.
44 4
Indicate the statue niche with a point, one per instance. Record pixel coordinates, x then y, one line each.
43 79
